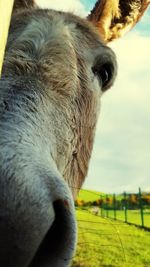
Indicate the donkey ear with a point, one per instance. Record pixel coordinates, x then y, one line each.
20 4
114 18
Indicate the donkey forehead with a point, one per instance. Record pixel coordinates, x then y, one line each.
54 24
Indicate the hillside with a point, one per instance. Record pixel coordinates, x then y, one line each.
89 195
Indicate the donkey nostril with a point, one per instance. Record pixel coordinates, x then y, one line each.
58 244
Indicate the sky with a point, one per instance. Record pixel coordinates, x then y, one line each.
121 155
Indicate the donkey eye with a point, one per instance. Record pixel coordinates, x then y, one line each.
105 74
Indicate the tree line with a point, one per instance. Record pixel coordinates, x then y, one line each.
131 201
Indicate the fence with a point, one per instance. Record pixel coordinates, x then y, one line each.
130 208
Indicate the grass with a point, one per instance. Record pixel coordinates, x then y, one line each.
103 242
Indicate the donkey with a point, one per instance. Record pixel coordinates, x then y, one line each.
56 68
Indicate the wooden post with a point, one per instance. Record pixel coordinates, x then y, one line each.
6 7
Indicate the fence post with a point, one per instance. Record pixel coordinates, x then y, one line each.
141 207
5 16
107 211
114 201
125 208
101 206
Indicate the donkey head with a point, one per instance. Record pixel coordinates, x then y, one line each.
56 68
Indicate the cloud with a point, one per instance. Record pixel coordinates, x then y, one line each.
121 154
74 6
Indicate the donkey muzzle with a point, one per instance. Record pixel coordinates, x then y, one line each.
37 224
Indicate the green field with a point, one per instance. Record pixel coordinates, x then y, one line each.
133 216
103 242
